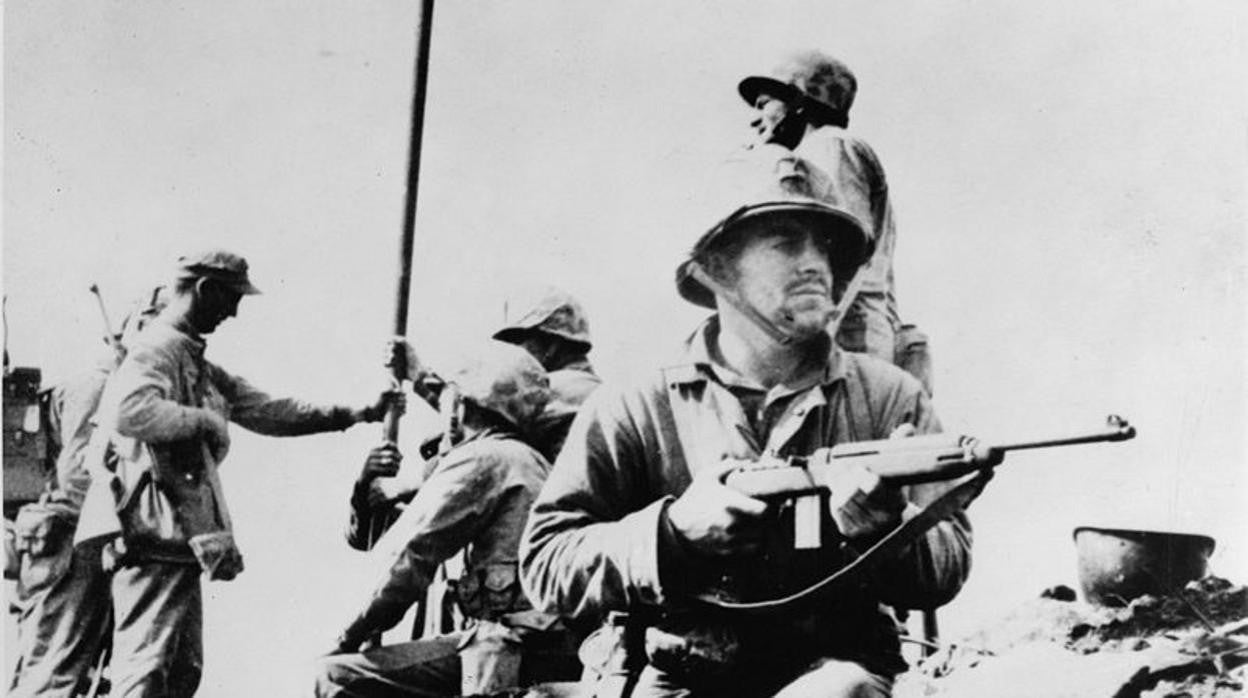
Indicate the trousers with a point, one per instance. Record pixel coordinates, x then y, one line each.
828 678
434 667
158 649
64 622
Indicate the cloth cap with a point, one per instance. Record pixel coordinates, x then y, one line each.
772 181
219 265
503 379
810 77
548 309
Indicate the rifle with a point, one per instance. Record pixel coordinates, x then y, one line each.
800 484
111 338
907 461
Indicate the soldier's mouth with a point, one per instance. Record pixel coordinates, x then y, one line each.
808 289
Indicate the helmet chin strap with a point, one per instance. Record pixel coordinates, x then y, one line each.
777 332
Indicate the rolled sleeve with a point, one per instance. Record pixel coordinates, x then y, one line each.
935 566
447 513
255 410
143 393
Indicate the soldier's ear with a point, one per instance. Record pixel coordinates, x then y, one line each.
207 289
200 284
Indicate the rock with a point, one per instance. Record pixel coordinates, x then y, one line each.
1193 642
1061 592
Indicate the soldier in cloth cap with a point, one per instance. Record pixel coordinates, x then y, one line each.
803 105
474 502
635 516
63 591
162 433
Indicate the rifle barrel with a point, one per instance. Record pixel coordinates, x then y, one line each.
1116 429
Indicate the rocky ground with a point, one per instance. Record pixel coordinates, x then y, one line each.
1192 643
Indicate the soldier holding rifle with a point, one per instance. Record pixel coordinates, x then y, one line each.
635 515
474 502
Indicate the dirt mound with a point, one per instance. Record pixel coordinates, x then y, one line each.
1193 642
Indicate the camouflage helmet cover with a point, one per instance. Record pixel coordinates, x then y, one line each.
503 379
549 310
812 77
772 181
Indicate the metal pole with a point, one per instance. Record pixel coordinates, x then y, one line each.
390 425
403 290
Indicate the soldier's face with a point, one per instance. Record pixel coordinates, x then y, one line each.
784 271
216 302
776 122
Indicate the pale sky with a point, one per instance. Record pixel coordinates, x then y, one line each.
1068 179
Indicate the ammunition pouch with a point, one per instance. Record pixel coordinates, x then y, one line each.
217 555
693 650
43 548
489 592
913 355
44 528
168 509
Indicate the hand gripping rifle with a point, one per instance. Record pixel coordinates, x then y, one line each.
802 482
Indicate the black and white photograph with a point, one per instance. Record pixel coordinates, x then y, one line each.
625 349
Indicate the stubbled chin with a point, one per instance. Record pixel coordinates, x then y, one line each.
806 320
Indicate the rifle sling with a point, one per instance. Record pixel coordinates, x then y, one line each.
856 572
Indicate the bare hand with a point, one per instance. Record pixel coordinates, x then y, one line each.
377 411
715 519
382 461
862 505
402 360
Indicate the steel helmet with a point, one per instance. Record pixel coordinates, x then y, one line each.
811 78
503 379
547 309
772 181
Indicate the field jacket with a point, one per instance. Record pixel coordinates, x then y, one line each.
153 466
593 542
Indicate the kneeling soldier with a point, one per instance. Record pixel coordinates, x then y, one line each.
476 500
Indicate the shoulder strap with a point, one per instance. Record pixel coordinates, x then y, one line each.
676 379
858 401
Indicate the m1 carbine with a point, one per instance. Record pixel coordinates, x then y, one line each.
812 559
904 461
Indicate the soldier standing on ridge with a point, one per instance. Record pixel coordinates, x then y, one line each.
803 105
163 431
63 591
635 516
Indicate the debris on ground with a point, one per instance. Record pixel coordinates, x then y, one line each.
1191 643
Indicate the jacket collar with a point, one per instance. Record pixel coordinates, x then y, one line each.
702 362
